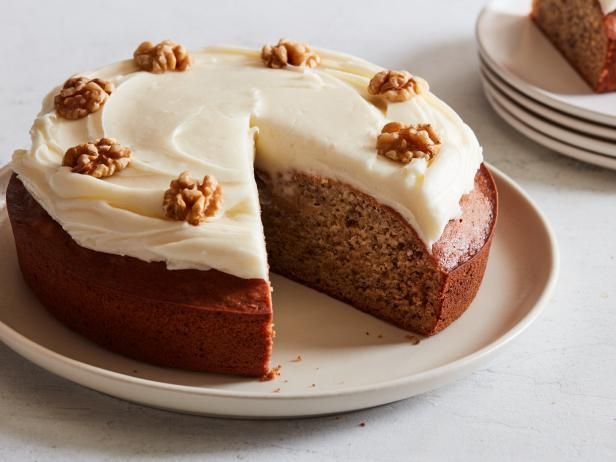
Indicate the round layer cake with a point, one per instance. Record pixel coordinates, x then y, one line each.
142 210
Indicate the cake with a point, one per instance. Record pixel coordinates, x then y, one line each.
584 31
159 191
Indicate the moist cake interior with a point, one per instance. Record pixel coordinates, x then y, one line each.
337 240
331 237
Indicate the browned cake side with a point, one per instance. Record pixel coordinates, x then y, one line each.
331 237
318 231
584 35
196 320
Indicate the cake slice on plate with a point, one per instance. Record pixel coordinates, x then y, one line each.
584 31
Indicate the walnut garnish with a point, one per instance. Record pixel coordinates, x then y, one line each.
81 96
396 86
100 158
404 143
413 339
164 56
192 201
291 53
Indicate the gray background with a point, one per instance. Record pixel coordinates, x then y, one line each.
551 395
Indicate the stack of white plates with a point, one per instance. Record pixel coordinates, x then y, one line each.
533 88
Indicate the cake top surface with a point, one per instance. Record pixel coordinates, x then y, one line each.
222 117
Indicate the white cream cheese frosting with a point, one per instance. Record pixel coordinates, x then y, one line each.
227 114
607 6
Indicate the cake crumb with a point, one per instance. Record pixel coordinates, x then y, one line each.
362 424
413 338
298 359
380 336
367 333
276 390
271 374
285 381
313 385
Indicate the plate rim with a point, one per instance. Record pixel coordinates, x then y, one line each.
547 141
510 105
16 341
530 103
531 90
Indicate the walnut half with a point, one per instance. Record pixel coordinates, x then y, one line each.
81 96
164 56
192 201
403 143
291 53
396 86
100 158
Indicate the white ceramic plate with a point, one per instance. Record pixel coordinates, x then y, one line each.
517 50
525 126
565 135
604 132
349 360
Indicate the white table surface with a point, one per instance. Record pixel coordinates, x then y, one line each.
550 396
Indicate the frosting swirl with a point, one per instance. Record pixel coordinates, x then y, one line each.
225 116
